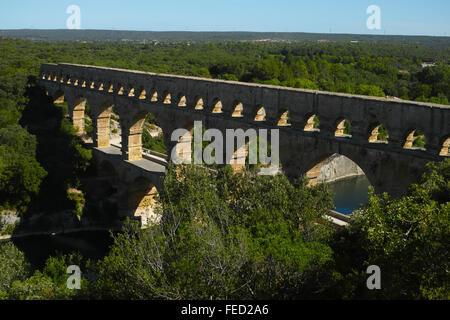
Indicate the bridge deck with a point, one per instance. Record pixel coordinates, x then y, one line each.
144 164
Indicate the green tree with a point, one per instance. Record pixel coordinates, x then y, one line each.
407 238
20 174
14 267
223 236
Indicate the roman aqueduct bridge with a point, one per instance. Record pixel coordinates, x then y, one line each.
178 101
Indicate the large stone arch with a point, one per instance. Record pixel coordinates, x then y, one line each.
386 171
139 200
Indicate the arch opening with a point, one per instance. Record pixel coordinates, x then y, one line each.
379 134
167 98
198 103
238 109
182 100
312 123
344 129
415 140
153 136
260 114
345 179
142 94
284 119
217 106
154 96
140 201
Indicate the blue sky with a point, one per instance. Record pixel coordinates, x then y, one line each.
408 17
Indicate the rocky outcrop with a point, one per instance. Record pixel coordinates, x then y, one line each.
338 167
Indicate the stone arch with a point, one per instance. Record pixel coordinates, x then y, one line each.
198 103
167 98
238 109
415 139
131 93
101 87
343 128
260 114
316 174
76 83
379 134
312 123
140 201
445 147
121 90
182 100
92 85
216 106
284 120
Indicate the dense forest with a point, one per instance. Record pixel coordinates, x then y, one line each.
227 236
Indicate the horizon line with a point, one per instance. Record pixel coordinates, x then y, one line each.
241 31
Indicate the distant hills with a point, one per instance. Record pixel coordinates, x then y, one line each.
180 36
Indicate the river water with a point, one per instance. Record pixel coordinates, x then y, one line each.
350 194
92 245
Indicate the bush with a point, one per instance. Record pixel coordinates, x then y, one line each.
14 266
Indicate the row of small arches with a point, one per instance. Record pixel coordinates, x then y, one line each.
414 140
